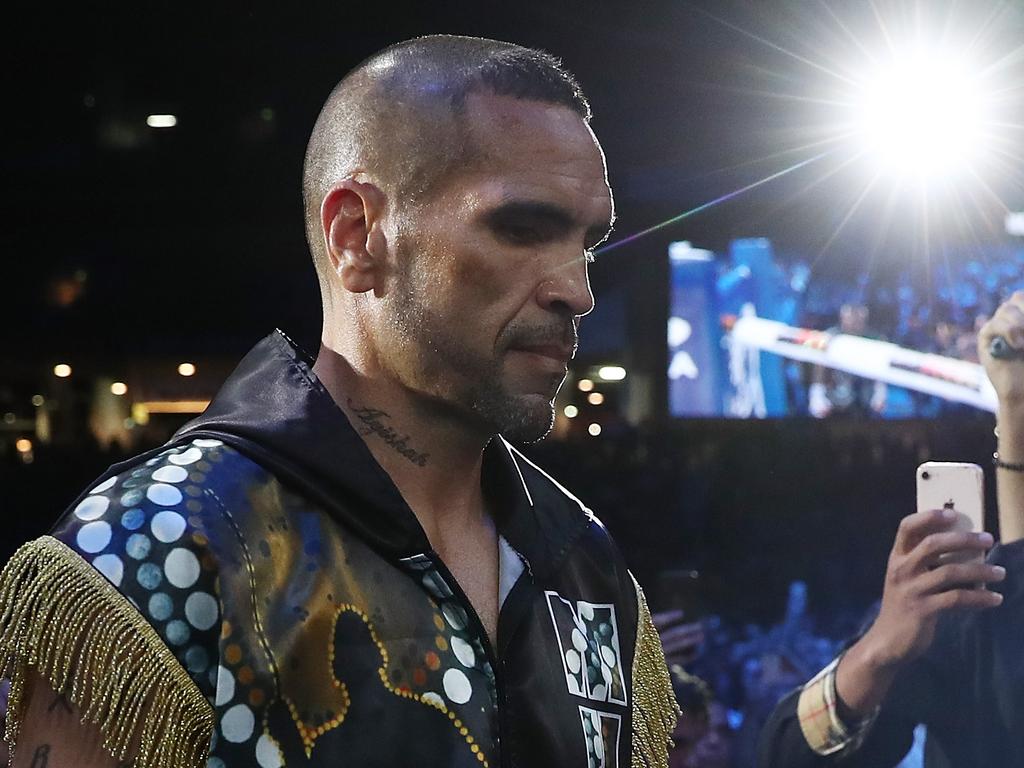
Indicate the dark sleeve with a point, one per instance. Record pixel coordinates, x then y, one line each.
782 743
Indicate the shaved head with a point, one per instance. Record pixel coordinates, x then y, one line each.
399 117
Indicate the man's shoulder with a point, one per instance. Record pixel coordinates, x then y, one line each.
566 515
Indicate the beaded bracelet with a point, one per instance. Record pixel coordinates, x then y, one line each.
1000 464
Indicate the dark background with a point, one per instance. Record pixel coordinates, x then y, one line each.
188 243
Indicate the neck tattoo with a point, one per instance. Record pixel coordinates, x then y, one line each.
373 424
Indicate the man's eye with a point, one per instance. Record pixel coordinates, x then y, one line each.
520 234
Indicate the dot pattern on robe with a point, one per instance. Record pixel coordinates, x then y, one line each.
148 531
143 530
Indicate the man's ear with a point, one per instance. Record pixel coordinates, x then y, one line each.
350 217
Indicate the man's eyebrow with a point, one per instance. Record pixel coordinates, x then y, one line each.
552 214
532 209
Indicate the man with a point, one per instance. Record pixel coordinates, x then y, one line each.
834 392
941 652
342 562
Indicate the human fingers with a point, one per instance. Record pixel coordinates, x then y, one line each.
667 618
963 599
953 576
914 528
1008 322
930 549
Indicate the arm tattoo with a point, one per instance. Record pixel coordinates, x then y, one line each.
41 757
373 424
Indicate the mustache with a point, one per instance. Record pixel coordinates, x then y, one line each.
557 334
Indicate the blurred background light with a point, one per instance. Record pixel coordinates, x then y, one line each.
612 373
585 385
62 370
924 113
186 369
162 121
571 411
594 430
118 388
595 398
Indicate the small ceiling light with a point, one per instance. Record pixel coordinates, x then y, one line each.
10 418
118 388
595 398
571 411
62 370
612 373
23 445
38 400
186 369
161 121
585 385
594 430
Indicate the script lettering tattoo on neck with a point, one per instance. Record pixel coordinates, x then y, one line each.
373 420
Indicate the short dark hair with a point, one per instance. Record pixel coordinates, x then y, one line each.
398 114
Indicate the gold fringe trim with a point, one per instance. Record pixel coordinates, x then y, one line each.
655 710
59 615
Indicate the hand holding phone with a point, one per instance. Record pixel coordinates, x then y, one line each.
958 487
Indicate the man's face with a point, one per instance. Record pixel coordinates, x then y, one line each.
491 272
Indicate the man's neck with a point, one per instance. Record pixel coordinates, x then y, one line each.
434 461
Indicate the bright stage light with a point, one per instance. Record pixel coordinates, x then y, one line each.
162 121
923 115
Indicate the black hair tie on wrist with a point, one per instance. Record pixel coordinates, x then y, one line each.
1000 464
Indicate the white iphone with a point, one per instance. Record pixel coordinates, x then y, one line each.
957 486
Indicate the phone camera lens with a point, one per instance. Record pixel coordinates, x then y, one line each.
925 476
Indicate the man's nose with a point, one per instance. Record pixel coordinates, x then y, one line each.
567 287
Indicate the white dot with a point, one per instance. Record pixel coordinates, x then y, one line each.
190 456
170 474
574 687
204 443
201 610
587 611
456 686
572 661
599 692
608 655
579 642
106 485
182 568
163 494
111 567
94 537
463 652
92 507
225 686
455 616
268 754
167 526
237 724
599 746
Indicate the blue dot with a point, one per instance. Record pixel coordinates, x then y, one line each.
133 519
149 575
196 659
138 546
132 498
161 606
177 632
